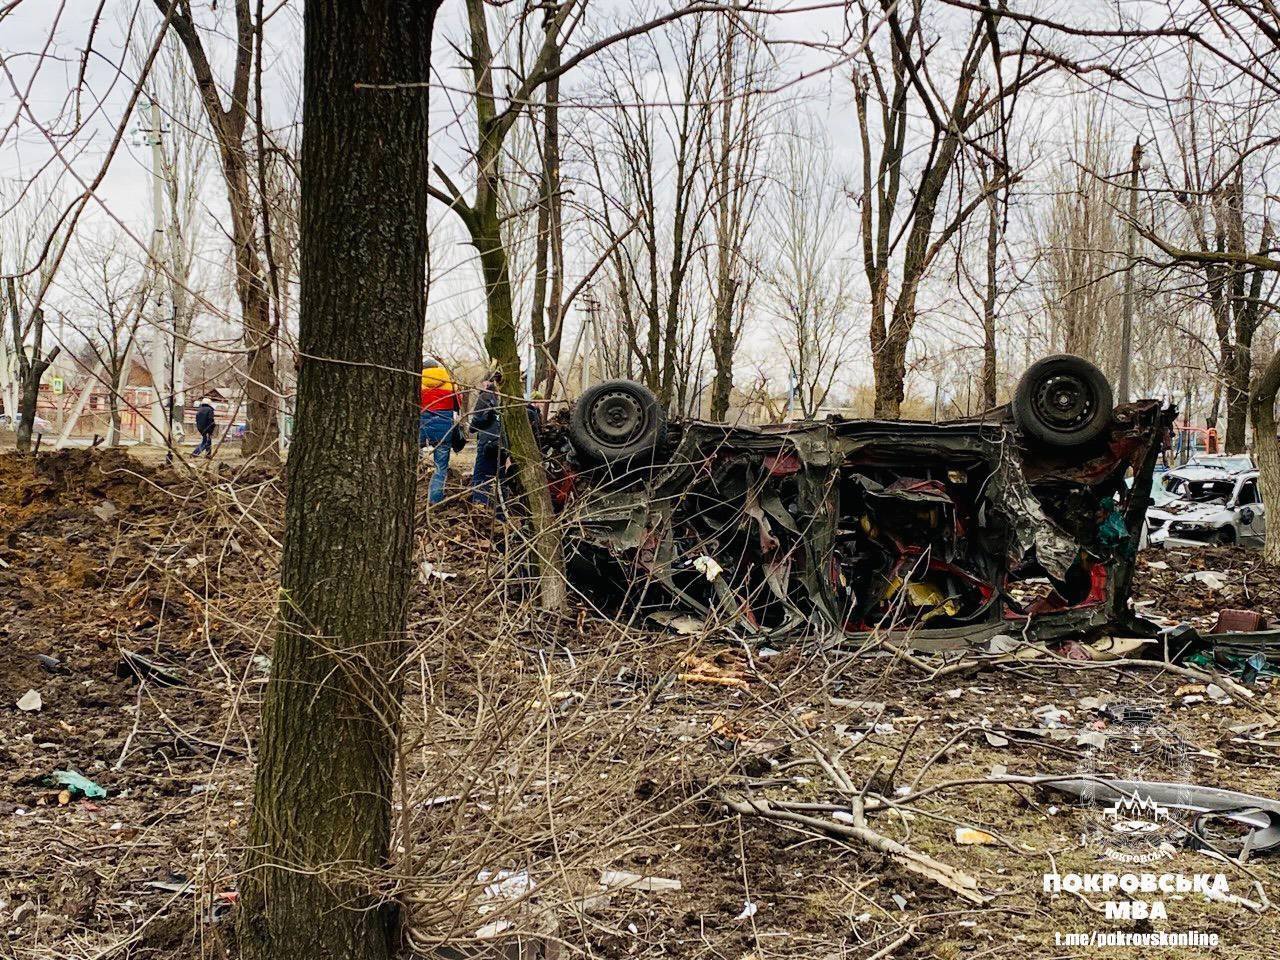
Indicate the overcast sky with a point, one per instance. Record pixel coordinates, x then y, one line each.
43 44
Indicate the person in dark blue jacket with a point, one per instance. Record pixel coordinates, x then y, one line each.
205 423
486 424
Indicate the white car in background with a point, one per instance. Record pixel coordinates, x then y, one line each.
1209 504
39 424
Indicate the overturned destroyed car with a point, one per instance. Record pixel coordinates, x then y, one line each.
1018 522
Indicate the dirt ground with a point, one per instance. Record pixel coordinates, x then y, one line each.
549 763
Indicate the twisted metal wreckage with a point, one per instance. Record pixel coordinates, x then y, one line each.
1024 521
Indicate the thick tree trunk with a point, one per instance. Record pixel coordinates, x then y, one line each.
28 396
722 344
1238 399
321 822
30 373
889 364
1266 451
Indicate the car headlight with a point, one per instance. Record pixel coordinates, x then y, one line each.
1186 526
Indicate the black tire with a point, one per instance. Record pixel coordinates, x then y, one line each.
1225 537
1063 401
616 420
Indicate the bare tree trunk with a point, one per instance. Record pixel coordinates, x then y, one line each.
228 124
1266 451
722 346
31 371
989 306
321 826
500 341
1237 396
548 209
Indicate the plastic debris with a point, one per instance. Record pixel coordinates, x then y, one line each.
634 881
77 784
748 910
1092 738
708 567
1217 694
431 572
491 930
30 702
506 884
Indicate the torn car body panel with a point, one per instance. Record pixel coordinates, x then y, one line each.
944 533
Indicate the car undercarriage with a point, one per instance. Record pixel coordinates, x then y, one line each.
942 534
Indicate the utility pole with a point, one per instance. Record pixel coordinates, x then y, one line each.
589 344
1126 309
162 358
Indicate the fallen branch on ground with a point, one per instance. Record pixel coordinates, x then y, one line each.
957 881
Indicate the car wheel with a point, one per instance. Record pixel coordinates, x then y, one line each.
1063 401
1225 536
616 420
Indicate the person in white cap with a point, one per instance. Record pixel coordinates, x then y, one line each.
205 423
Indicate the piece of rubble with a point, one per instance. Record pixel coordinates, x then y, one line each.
30 702
1209 578
1092 738
23 911
684 624
1051 716
972 837
1217 694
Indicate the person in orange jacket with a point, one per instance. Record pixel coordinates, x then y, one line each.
437 423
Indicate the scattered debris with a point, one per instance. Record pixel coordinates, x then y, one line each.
143 668
682 623
971 837
748 910
30 702
78 784
625 879
493 929
431 572
1260 815
1051 717
1239 621
23 911
1209 578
